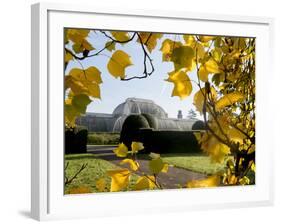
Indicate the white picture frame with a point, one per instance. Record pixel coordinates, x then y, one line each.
48 201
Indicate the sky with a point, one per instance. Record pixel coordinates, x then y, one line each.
114 91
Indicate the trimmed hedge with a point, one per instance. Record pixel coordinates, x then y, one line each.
152 121
76 140
198 125
103 138
169 141
131 127
143 128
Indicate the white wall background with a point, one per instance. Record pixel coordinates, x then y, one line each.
15 110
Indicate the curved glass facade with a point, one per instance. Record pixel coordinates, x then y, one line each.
99 122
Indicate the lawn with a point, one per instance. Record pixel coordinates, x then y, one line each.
194 162
95 170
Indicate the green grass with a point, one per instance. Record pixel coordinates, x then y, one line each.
194 162
87 178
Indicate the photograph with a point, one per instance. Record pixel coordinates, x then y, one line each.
145 110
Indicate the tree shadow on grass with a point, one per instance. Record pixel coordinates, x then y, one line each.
77 156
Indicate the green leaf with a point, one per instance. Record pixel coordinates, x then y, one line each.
70 115
182 57
156 165
80 103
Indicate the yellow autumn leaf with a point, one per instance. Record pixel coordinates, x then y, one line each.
110 45
235 135
80 47
76 86
198 99
182 84
253 167
77 35
199 50
156 166
232 179
136 146
215 149
145 182
149 39
68 101
117 64
212 181
67 57
133 164
101 184
120 35
84 81
229 99
203 74
189 40
80 190
119 179
244 181
91 74
94 90
165 168
87 45
182 57
121 150
168 47
211 66
206 38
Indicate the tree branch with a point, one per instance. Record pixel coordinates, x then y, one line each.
146 57
67 180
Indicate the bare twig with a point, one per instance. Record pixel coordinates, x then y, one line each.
69 180
146 57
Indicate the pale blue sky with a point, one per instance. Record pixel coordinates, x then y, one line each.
114 91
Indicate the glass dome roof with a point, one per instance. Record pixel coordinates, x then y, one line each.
140 106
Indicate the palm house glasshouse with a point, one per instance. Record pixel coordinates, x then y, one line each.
101 122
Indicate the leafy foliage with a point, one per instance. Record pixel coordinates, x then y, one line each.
225 70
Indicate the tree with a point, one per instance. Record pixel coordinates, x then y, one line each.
225 69
191 114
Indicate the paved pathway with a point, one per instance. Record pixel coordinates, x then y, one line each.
169 180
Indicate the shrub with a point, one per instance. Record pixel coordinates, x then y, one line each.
103 138
131 127
152 121
76 140
169 141
198 125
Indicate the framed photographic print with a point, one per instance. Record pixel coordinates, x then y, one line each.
162 111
